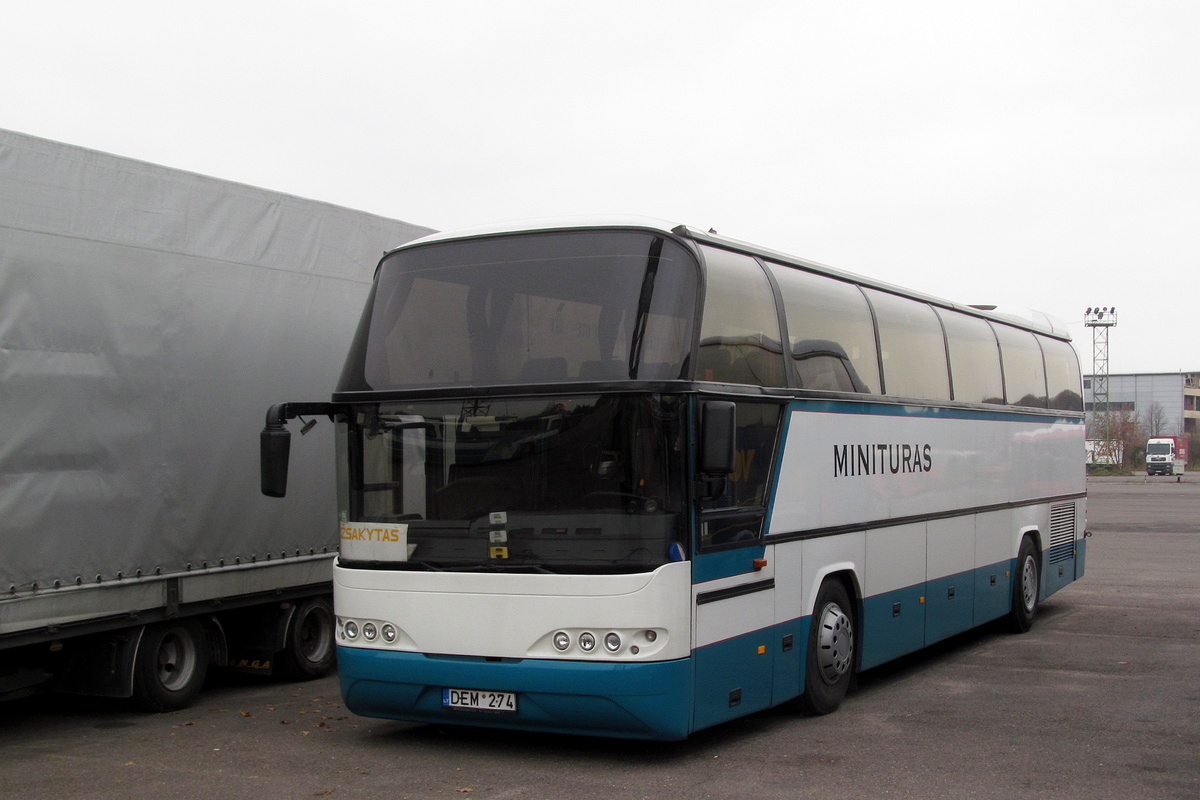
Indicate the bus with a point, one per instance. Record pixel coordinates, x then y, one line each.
625 478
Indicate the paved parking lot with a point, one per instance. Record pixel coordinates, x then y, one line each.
1100 700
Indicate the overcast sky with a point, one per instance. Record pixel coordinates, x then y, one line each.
1041 153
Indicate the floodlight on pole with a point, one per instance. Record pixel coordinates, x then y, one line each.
1100 319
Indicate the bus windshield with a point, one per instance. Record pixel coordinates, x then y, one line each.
527 309
558 484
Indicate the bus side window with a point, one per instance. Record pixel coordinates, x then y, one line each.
1024 372
912 347
735 517
1062 374
739 334
974 358
828 321
824 365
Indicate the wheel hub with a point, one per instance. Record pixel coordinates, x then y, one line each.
176 661
835 643
1029 583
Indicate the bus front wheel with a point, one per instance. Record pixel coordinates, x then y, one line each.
1026 587
829 662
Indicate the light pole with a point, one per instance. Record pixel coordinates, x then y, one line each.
1100 320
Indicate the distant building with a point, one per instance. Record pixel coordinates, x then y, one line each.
1177 395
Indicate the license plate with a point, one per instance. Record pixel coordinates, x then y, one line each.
479 700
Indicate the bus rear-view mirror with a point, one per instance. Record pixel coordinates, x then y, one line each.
718 425
274 444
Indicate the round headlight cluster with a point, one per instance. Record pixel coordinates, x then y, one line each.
615 642
368 631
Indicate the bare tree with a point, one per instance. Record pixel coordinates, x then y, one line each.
1156 420
1126 427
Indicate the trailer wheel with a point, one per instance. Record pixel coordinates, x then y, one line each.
170 666
1026 588
310 650
829 663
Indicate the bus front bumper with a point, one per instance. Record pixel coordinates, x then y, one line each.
650 700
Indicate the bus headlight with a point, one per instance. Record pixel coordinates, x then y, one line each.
368 632
611 643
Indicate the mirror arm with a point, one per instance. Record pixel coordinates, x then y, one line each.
275 442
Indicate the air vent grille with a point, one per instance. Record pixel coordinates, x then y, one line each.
1062 533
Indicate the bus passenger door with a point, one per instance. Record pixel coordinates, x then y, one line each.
733 578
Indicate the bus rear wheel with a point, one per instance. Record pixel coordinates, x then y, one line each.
1026 588
829 662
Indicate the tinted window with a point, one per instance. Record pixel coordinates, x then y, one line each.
1062 374
585 483
739 335
974 358
734 517
832 338
1024 376
530 308
911 346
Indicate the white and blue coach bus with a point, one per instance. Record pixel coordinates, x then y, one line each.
626 479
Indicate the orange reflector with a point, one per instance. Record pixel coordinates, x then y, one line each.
922 599
759 563
762 648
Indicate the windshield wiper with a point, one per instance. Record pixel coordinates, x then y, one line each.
643 309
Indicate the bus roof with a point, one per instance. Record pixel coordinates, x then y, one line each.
1022 317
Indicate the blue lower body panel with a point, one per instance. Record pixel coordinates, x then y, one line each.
733 677
631 700
900 622
993 591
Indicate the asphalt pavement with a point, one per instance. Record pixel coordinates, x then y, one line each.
1100 700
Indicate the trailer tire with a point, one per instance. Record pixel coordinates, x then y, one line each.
170 665
831 645
310 651
1026 588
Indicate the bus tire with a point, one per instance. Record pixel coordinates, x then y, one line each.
829 663
170 665
1026 587
310 650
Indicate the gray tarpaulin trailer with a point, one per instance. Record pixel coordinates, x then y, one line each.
148 316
